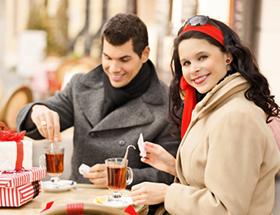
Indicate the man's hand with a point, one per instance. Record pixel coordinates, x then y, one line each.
47 122
98 175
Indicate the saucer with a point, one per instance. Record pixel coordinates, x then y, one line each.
122 204
64 185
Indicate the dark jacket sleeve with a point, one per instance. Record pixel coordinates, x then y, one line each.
61 103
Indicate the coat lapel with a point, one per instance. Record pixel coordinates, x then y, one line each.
133 113
91 96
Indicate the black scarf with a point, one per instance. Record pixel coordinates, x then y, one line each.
116 97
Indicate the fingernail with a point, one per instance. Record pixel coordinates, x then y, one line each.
55 139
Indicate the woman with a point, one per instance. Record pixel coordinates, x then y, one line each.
228 157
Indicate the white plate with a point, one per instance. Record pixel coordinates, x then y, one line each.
64 185
125 201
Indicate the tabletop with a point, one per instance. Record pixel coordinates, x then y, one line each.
85 193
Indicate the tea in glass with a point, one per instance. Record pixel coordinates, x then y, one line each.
118 175
52 160
54 163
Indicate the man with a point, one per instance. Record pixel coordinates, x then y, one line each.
109 107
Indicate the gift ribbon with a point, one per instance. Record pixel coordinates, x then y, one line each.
11 135
19 155
36 188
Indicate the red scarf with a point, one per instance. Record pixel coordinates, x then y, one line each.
189 104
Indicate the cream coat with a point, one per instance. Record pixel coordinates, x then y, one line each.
228 158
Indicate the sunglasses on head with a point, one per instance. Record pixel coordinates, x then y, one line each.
203 24
198 20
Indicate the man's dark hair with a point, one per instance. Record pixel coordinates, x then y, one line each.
123 27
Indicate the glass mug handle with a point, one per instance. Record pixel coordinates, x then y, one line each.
42 161
129 176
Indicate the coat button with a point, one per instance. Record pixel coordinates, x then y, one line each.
121 142
92 134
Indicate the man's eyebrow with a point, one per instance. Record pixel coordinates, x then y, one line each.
125 56
106 55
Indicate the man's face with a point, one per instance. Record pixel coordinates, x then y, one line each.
120 63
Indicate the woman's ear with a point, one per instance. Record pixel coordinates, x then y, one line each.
229 56
145 54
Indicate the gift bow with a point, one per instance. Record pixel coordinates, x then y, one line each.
11 135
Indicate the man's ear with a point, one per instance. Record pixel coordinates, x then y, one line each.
145 54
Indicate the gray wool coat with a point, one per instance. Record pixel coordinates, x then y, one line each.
96 139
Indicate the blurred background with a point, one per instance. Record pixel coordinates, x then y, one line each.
44 42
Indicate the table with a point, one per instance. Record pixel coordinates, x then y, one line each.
85 193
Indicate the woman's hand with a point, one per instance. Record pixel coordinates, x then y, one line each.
98 175
148 193
47 122
159 158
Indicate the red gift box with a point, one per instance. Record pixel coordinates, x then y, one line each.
8 180
19 188
15 197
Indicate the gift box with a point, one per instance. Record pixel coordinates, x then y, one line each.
15 197
11 156
20 187
15 153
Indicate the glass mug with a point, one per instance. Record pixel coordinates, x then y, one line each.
53 161
119 175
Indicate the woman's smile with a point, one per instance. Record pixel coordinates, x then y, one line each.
200 79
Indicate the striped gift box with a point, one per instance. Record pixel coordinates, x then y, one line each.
15 197
11 180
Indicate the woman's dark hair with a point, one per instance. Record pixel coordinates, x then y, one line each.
123 27
243 62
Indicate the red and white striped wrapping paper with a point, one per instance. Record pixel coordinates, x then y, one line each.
15 197
8 180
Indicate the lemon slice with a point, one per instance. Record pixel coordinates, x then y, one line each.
101 199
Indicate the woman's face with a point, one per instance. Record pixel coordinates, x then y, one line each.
203 64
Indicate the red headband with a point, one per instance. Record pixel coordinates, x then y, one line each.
207 29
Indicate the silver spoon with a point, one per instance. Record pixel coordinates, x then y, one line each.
126 153
51 147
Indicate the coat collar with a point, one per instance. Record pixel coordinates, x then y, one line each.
134 112
229 86
219 93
